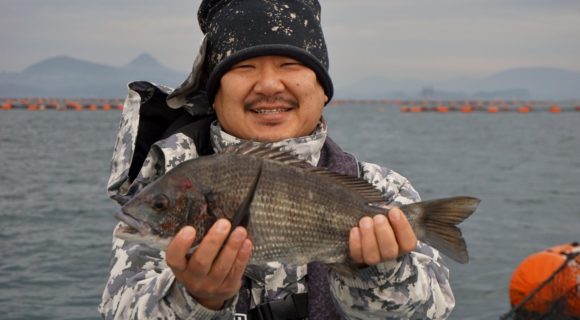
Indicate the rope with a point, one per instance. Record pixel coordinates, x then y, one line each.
569 257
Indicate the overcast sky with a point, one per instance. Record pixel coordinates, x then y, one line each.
391 38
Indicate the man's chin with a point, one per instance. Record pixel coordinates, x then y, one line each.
271 134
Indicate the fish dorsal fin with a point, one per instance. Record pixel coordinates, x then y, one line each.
265 150
360 186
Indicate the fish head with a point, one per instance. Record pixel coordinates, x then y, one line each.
161 209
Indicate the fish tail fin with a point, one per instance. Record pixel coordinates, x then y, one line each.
437 220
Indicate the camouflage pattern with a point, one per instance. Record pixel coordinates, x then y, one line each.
142 286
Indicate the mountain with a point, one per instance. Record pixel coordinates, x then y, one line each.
68 77
520 83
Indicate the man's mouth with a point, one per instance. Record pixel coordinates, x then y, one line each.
271 105
270 111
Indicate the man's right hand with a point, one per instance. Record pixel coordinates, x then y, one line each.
211 275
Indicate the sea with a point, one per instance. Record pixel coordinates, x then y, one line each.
56 220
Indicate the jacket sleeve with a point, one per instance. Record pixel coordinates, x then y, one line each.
141 286
415 286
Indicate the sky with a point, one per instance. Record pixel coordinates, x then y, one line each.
415 39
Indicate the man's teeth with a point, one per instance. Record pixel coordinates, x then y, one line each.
264 111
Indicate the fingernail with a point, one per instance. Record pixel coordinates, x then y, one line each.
222 225
354 233
246 246
186 232
380 219
395 215
238 234
365 223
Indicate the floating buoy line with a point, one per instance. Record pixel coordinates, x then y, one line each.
41 104
404 106
468 106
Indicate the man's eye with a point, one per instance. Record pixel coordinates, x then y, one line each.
292 64
244 66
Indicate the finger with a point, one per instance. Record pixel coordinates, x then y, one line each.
239 266
355 246
224 262
203 258
403 231
176 252
370 250
388 247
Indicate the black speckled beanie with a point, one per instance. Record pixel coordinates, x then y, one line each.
237 30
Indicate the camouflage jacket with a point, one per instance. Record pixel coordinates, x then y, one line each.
142 286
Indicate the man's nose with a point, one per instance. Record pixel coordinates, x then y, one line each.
269 81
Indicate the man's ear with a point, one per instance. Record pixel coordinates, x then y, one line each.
325 99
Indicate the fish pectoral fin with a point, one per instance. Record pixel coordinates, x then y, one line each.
212 207
242 215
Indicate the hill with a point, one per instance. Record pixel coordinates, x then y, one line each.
520 83
68 77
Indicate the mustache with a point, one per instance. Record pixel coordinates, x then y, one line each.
269 100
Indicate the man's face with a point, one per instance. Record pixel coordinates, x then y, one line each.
269 98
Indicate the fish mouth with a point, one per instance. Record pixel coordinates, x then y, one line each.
132 224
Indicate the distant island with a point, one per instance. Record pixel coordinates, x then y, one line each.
69 77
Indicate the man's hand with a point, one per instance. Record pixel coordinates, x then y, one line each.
211 276
380 239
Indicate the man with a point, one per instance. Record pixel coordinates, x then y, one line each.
262 70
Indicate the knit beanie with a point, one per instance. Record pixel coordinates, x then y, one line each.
237 30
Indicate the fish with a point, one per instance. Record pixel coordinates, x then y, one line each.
294 213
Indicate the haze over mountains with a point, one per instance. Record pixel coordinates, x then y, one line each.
68 77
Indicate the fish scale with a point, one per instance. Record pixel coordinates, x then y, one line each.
297 224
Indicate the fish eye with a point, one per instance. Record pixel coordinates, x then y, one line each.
160 202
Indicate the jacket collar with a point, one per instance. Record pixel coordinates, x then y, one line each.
306 148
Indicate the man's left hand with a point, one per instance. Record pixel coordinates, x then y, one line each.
381 238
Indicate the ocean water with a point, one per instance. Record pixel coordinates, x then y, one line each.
56 220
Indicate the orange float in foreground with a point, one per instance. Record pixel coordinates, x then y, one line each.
547 283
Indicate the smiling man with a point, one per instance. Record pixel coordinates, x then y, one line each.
269 98
262 75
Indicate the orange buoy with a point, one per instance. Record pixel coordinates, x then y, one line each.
7 106
466 108
416 109
442 109
32 107
555 109
492 109
548 282
524 109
